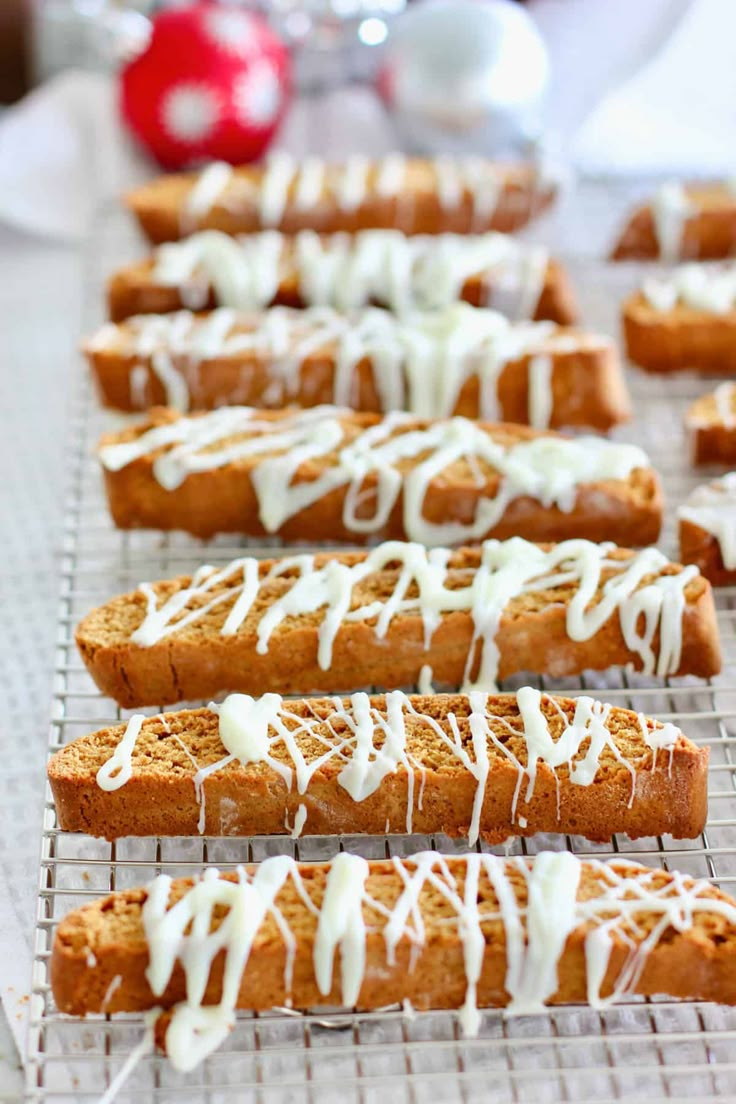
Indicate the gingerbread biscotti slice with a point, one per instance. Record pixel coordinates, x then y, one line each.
707 527
685 320
439 931
379 267
682 222
329 474
388 617
459 360
460 195
710 424
476 765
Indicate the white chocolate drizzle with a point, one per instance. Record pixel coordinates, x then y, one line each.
208 188
346 271
117 770
310 184
708 288
372 744
390 175
274 190
712 507
540 391
312 181
670 211
621 904
549 469
604 587
724 396
419 363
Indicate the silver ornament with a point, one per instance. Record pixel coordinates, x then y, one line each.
463 76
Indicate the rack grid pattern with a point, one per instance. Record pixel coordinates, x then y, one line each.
653 1050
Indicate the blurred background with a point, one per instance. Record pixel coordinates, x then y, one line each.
624 87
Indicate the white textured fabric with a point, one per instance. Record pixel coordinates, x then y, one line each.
38 363
61 150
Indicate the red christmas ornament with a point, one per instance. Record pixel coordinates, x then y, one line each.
212 84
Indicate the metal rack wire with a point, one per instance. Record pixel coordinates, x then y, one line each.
652 1050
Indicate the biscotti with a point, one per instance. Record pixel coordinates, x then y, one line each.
328 474
478 765
686 320
710 424
460 360
388 617
694 222
460 195
707 525
437 931
379 267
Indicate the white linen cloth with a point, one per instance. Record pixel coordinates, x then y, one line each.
63 149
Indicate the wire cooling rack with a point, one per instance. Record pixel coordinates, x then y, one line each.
639 1050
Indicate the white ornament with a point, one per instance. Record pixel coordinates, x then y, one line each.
190 111
257 95
465 77
231 30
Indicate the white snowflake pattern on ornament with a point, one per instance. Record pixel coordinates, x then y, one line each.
190 112
233 31
257 95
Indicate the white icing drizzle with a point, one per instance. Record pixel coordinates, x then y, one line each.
246 723
712 507
174 383
449 182
670 211
251 728
621 901
208 189
196 1030
548 469
724 396
352 185
419 362
541 399
485 184
300 820
424 682
534 950
312 177
112 988
310 184
659 737
274 191
117 770
390 175
341 926
507 569
424 272
709 288
139 386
